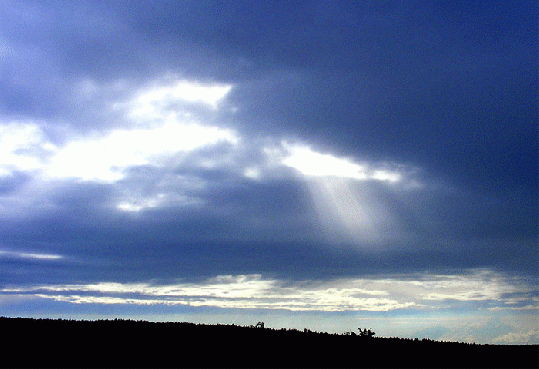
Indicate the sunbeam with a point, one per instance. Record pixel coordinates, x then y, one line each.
347 212
343 195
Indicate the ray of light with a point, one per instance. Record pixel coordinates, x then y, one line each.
341 191
346 211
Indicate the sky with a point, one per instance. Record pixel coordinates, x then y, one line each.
314 164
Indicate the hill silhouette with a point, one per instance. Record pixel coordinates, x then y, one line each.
128 343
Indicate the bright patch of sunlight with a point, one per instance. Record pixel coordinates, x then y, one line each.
311 163
103 159
140 205
347 212
252 172
346 206
30 255
383 175
163 130
23 147
136 205
208 94
315 164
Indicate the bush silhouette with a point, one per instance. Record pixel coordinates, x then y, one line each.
366 333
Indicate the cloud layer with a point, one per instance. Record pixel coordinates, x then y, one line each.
487 289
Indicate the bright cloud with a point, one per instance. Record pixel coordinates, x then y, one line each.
138 205
157 130
29 255
160 132
347 212
158 97
518 338
254 291
152 128
242 291
347 207
312 163
104 159
23 147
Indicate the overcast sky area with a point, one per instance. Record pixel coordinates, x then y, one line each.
318 164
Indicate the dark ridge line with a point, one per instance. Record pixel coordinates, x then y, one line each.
44 342
237 326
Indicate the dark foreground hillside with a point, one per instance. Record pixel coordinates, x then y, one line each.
119 343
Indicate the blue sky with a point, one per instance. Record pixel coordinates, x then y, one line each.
315 164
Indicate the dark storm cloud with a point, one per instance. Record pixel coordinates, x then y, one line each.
450 89
449 85
245 228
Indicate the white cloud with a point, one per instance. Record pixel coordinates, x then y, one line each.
315 164
23 147
105 158
152 100
346 202
160 132
518 338
251 291
252 172
138 205
254 291
383 175
151 128
159 127
29 255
